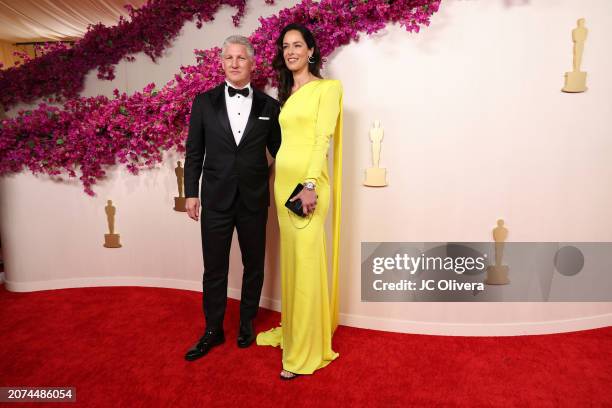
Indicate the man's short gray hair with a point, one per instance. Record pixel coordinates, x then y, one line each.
239 39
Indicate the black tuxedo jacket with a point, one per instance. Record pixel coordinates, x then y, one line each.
228 167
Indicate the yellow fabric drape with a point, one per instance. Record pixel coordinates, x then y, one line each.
334 306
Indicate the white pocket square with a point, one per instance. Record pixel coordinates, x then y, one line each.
264 117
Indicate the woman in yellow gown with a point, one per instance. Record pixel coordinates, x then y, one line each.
311 117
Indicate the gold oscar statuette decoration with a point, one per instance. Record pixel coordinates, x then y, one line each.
575 81
179 202
111 240
498 274
376 176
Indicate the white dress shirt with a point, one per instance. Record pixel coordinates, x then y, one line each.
238 110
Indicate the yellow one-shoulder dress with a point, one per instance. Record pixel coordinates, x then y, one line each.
310 119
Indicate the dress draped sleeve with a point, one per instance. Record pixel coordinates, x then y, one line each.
337 195
329 126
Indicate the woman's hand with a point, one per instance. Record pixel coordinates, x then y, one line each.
309 200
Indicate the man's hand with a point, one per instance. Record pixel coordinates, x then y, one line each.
192 205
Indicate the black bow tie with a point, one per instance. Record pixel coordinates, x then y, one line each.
233 91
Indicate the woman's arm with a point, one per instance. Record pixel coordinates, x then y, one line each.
327 118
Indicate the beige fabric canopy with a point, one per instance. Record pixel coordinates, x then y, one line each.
40 20
27 21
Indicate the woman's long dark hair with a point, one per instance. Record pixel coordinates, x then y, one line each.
285 77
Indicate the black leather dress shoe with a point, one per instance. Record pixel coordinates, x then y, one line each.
246 335
208 341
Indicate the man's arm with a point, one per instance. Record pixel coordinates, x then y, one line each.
194 157
274 136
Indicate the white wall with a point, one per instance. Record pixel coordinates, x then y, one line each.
476 128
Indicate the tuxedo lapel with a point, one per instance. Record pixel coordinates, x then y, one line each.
256 108
221 109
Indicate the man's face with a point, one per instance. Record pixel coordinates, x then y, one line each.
237 65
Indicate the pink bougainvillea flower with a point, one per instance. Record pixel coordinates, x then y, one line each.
88 134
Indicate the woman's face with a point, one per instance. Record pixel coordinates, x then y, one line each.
295 51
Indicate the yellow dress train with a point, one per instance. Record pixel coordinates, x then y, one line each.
309 120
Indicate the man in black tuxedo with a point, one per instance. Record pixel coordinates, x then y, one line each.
229 130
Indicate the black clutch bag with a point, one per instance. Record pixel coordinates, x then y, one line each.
295 206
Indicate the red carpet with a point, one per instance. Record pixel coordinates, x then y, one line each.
124 347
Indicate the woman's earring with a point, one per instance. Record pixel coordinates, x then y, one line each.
311 59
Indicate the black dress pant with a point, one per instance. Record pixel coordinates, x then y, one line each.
217 230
